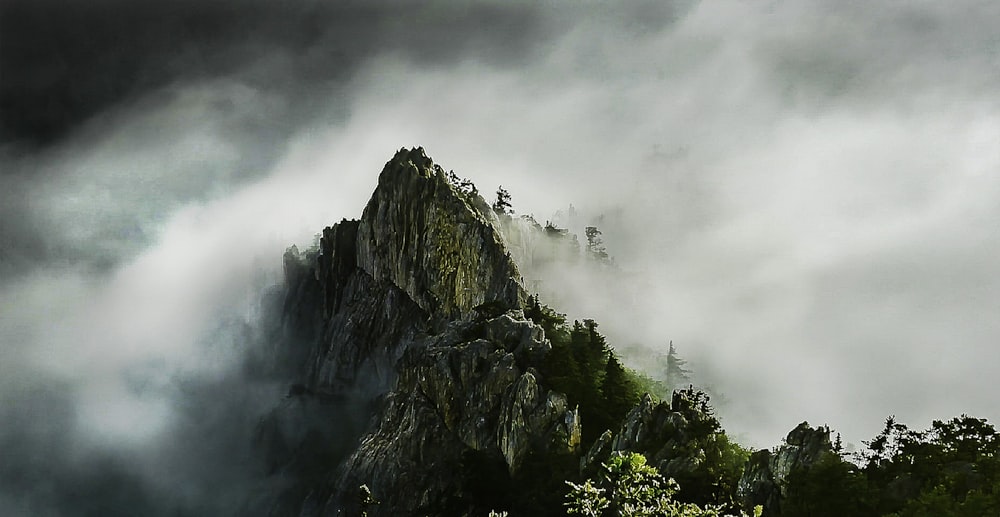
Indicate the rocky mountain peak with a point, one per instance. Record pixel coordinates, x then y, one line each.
413 361
435 241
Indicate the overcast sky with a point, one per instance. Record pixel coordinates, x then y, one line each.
805 195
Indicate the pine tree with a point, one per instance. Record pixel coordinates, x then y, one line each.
677 375
502 205
619 390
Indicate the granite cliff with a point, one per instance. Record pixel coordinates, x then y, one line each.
412 314
414 371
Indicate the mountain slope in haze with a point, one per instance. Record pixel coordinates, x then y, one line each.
416 304
423 370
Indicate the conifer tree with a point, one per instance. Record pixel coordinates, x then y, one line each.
677 375
619 390
502 205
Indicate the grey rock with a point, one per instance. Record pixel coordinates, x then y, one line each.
405 341
451 397
665 433
408 320
436 243
765 478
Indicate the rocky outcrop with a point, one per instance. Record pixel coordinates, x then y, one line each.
415 372
463 390
438 244
765 477
671 436
411 314
423 253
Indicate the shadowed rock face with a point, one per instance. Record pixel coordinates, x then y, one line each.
462 390
436 243
415 372
660 431
423 254
413 314
765 477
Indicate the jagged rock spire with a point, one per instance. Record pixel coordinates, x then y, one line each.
438 244
416 305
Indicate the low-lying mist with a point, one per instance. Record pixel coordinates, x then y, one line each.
801 197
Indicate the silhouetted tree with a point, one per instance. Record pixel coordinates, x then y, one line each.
953 468
676 374
464 185
502 205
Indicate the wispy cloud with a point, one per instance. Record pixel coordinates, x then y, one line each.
803 197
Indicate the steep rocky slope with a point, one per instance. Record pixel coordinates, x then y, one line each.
413 370
412 313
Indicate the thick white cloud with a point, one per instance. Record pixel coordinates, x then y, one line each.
803 197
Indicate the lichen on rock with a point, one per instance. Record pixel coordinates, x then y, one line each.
415 308
437 244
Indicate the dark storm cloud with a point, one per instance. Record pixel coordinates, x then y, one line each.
224 83
64 62
125 126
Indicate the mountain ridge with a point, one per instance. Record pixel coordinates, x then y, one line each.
422 370
417 306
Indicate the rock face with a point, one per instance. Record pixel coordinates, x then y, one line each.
654 429
765 478
464 390
413 314
423 253
414 371
437 244
675 437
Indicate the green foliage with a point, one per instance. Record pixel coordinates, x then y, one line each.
717 478
563 247
940 500
583 366
951 469
959 458
553 231
464 185
551 321
646 384
627 486
830 487
717 462
664 373
620 390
